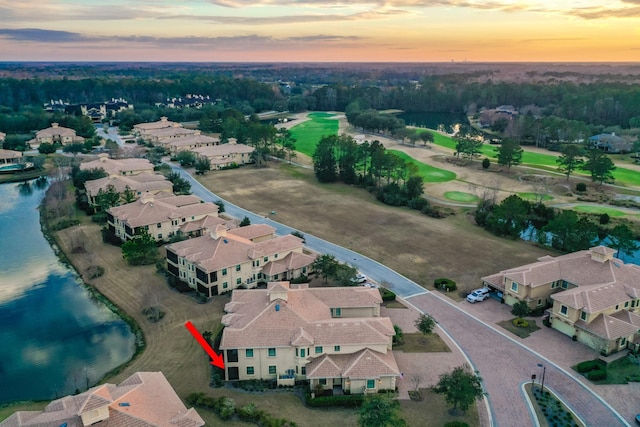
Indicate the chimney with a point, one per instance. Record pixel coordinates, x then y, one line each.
147 198
54 125
163 119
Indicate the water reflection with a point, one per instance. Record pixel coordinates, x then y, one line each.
54 338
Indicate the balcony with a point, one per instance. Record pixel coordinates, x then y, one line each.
288 379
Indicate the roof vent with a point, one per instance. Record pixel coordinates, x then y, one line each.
225 240
277 307
124 404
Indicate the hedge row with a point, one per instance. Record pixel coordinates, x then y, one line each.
590 365
347 401
597 374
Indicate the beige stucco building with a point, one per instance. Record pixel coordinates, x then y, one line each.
112 167
226 259
164 217
137 185
57 134
226 155
141 129
594 297
333 337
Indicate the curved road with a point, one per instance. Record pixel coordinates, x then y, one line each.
504 363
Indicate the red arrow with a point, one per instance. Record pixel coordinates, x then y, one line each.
216 359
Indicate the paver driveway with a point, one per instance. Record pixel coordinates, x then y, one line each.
505 365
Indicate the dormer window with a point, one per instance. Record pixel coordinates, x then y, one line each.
336 312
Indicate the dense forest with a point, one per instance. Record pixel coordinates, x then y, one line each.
558 102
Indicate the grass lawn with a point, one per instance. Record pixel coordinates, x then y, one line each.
535 197
427 172
309 133
420 343
621 371
517 330
433 411
599 210
459 196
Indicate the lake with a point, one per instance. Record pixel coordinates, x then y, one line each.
55 338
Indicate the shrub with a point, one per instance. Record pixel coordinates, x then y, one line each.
447 285
590 365
596 375
605 218
456 424
581 187
387 295
95 271
486 163
521 323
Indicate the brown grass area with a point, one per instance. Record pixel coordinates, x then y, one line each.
413 244
437 411
421 343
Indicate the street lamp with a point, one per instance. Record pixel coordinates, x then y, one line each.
544 370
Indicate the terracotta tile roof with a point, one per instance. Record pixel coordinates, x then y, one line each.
189 140
170 131
162 123
594 298
362 364
212 253
207 223
148 210
55 130
145 399
293 261
9 154
224 150
142 182
305 315
254 231
118 166
611 327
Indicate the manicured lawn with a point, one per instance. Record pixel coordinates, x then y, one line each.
599 210
517 330
459 196
535 197
427 172
621 371
420 343
6 411
309 133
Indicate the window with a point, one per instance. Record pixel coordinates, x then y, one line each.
224 285
563 310
371 383
318 349
296 352
249 352
232 355
626 304
302 352
265 259
238 267
275 256
160 236
238 280
224 271
539 302
623 341
514 286
250 370
617 306
272 352
323 381
159 225
565 284
336 348
272 370
275 277
554 284
336 312
303 370
583 316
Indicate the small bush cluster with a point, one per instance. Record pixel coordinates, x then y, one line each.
447 285
387 295
256 385
226 409
597 375
589 365
581 187
95 271
346 401
521 323
456 423
153 314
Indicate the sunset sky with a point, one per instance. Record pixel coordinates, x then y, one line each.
320 30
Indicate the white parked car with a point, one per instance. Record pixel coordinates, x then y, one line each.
360 278
478 295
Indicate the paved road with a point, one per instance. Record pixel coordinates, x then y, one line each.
112 134
503 363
